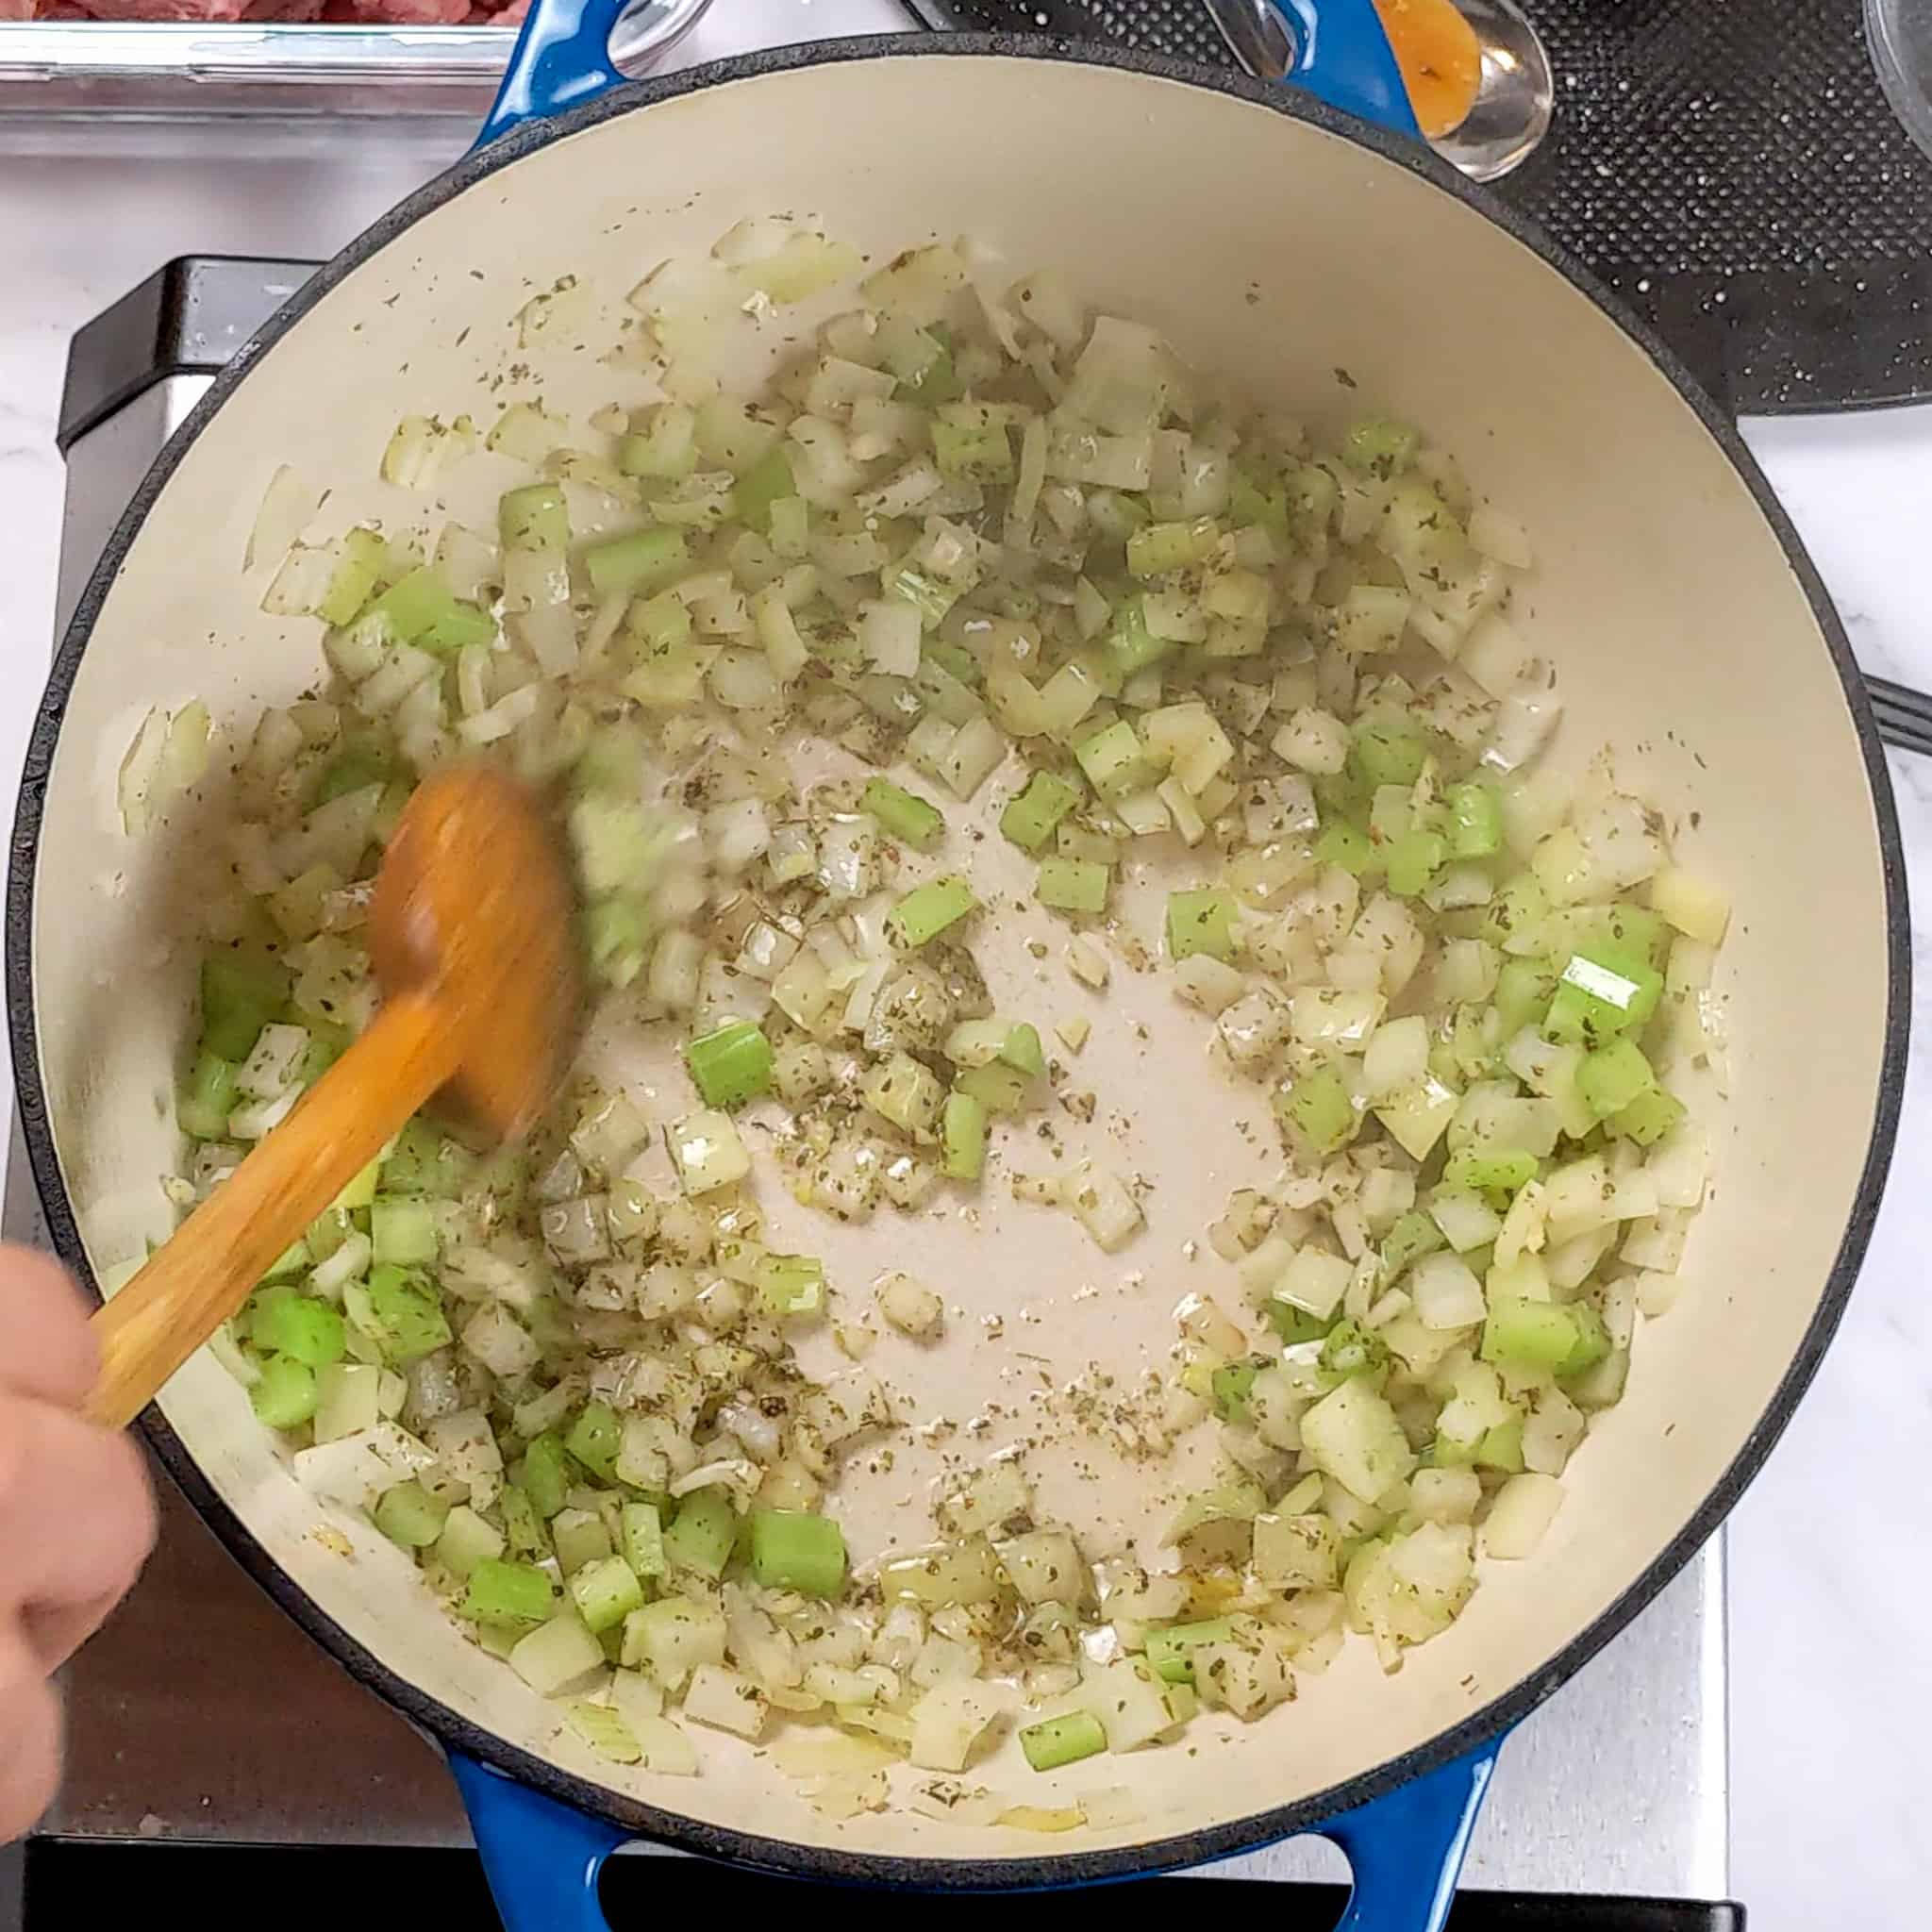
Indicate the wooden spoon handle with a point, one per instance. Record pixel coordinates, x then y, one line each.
217 1255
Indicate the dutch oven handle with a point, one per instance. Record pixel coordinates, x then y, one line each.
543 1859
562 57
542 1856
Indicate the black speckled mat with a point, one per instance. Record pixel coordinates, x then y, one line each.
1730 167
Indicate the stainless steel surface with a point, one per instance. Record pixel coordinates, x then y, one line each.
1513 100
1511 113
97 70
1617 1785
1256 35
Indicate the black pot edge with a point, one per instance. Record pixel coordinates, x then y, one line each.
1073 1867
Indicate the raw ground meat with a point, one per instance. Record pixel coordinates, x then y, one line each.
410 12
201 11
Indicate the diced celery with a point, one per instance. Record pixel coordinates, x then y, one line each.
998 1089
928 910
409 1315
768 479
794 1549
1258 498
579 1537
1553 1338
1353 1435
1474 817
924 370
731 1064
1490 1167
1021 1049
402 1232
424 1161
1114 761
1058 1741
644 1538
1413 861
1293 1324
1342 845
467 1540
606 1592
546 1475
903 813
410 1516
1128 645
1647 1116
791 1284
1501 1447
1319 1108
1513 919
1619 935
672 1636
1159 547
286 1322
418 603
1385 754
617 935
1524 991
595 1438
285 1396
638 563
1599 997
208 1098
969 440
1612 1076
928 595
243 989
1201 920
506 1592
533 518
667 448
1167 1650
1229 1384
1073 885
1414 1234
522 1526
1348 1349
703 1533
358 561
963 1137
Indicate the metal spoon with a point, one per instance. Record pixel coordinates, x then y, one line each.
1511 110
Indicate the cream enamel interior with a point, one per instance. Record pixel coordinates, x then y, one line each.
1279 255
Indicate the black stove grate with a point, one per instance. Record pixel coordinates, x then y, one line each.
1730 167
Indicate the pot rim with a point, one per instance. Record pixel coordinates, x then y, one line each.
749 1848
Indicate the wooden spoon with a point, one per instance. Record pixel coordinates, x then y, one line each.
472 936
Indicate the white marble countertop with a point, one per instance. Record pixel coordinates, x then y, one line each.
1831 1690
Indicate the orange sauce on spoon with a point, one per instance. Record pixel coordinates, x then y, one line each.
1440 57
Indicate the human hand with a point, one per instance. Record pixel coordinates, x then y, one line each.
76 1519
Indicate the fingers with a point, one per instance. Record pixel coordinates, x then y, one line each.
29 1743
49 1351
54 1635
77 1515
76 1519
